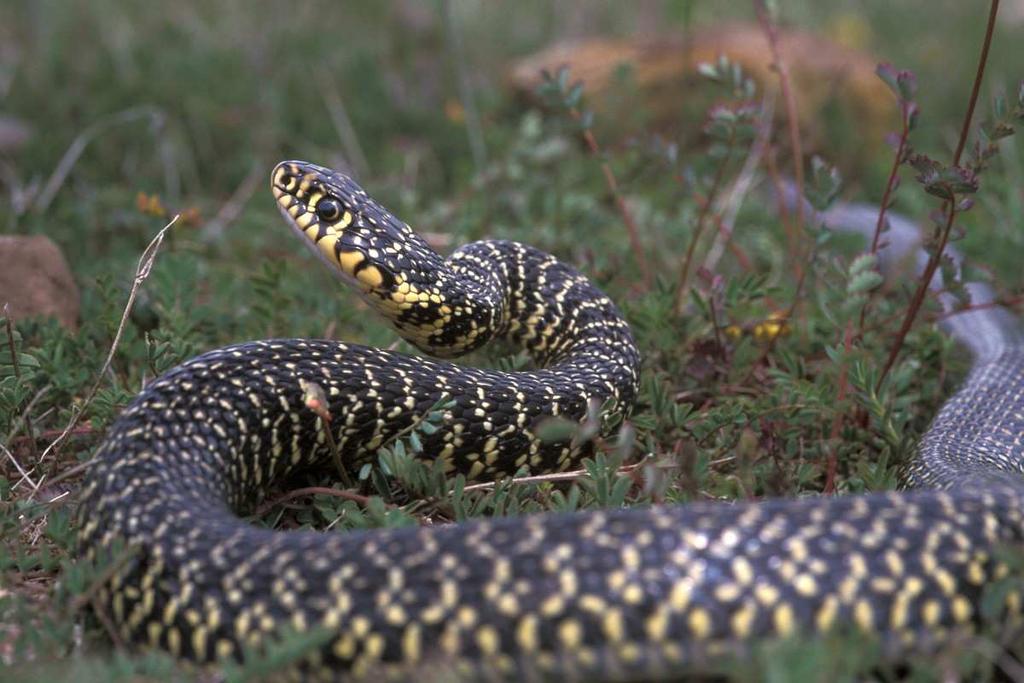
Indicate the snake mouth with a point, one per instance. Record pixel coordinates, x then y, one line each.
300 189
290 184
294 185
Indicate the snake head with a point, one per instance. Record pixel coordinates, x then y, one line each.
359 239
394 269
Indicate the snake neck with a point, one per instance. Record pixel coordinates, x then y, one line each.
507 291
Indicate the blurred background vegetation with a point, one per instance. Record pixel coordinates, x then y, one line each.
223 89
125 113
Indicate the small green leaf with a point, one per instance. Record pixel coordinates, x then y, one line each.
708 71
906 84
887 72
562 78
864 282
575 94
620 489
902 83
586 119
864 262
825 183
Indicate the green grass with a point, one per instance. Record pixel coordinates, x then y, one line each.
233 87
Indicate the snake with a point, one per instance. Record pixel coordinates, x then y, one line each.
607 594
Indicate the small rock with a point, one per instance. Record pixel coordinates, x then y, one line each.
35 280
835 86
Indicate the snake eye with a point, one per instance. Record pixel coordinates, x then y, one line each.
328 210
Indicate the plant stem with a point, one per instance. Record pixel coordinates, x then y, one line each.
789 101
949 206
919 294
832 463
142 271
705 209
314 491
993 10
613 186
890 187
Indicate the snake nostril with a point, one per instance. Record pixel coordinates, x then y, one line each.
287 181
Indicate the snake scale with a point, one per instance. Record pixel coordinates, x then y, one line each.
610 594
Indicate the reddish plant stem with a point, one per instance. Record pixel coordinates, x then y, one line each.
50 433
799 270
742 259
312 491
778 189
949 206
993 10
620 202
705 210
714 320
890 184
789 100
890 187
832 464
919 294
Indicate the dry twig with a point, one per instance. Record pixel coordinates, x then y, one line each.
313 491
142 272
539 478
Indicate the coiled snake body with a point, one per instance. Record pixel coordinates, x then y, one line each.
609 594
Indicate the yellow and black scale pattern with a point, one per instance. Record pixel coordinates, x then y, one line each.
602 594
